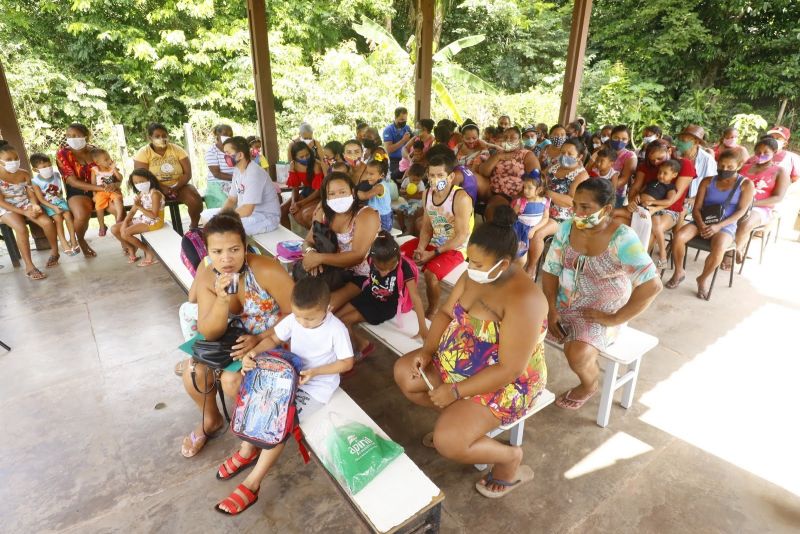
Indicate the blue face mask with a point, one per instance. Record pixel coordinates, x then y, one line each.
618 145
302 161
568 161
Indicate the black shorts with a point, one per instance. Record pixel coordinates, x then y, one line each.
74 192
373 311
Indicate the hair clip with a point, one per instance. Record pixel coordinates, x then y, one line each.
379 157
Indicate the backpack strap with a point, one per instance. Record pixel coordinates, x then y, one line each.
733 192
298 437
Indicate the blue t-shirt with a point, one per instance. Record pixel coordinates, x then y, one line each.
382 203
392 134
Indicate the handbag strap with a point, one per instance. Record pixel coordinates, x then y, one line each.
733 192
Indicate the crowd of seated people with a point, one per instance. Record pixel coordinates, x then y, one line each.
561 187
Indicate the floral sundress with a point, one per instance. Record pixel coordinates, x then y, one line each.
469 345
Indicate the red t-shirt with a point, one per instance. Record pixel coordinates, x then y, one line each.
651 175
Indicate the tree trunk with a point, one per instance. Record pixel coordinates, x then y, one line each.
781 111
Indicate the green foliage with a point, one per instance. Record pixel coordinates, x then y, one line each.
749 125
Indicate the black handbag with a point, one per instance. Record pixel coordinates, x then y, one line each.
217 354
716 212
325 242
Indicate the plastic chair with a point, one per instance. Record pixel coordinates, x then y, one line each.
701 244
763 232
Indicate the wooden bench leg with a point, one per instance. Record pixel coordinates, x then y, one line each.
630 387
11 244
175 215
607 393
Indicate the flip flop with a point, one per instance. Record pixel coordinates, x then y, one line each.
702 294
133 259
362 355
524 474
147 263
235 502
231 470
35 274
103 231
672 284
52 261
187 452
568 403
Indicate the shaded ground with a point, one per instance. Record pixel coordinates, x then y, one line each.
709 445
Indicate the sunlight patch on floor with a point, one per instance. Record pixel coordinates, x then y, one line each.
738 399
620 446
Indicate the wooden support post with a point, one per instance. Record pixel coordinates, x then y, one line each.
9 127
579 31
424 62
262 74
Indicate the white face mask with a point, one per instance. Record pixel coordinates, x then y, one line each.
223 138
781 144
649 139
441 185
603 139
46 172
308 141
482 277
11 166
76 143
143 187
341 204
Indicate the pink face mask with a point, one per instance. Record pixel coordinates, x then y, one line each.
763 158
730 142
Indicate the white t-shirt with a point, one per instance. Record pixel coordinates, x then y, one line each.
705 165
254 186
316 347
216 157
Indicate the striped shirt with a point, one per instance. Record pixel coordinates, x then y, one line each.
216 157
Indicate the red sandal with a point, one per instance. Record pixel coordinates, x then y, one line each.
228 469
235 502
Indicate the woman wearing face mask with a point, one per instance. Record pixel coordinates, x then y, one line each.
355 227
505 169
671 212
625 164
548 156
305 179
730 141
305 134
262 294
470 147
483 357
18 205
170 164
597 276
731 191
690 145
771 182
562 179
353 151
75 164
541 135
649 134
218 184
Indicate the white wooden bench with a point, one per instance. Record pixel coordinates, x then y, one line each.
400 340
166 244
401 498
268 241
627 350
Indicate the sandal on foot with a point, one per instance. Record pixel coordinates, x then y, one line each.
52 261
103 231
672 283
524 474
147 263
566 402
88 252
228 469
196 444
427 440
362 355
35 274
661 264
133 259
235 502
180 366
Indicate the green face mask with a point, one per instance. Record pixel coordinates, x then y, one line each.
684 146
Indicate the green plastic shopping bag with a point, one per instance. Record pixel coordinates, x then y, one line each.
356 454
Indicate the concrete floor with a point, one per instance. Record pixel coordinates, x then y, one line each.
708 446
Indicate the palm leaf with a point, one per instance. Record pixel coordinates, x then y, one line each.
376 33
453 73
447 53
445 98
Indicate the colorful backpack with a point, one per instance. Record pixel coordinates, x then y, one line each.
265 413
291 250
404 302
193 249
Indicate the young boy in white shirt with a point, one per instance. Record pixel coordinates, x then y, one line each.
322 342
